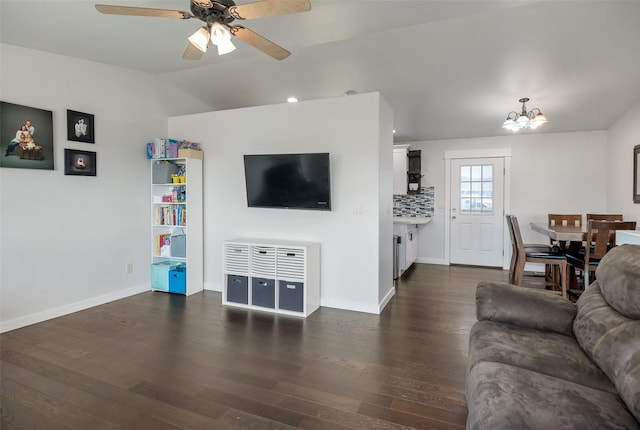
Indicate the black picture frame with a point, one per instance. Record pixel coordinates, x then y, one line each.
79 163
636 174
37 155
80 127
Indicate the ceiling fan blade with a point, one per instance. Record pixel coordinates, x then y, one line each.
264 8
142 11
259 42
192 53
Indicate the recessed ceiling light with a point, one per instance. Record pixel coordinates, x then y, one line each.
292 100
394 131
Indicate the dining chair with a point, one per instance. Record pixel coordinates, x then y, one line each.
531 247
535 255
604 217
600 239
564 219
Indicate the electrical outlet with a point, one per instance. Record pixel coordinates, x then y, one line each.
357 209
129 267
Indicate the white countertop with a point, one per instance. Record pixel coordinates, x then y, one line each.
411 220
628 236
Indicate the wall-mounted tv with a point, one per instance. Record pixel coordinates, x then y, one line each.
291 181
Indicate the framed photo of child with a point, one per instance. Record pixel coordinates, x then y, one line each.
80 163
80 127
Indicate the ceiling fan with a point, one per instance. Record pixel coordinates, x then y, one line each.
218 16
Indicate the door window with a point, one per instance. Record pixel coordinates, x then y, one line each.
476 189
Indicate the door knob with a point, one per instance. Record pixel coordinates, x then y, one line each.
453 217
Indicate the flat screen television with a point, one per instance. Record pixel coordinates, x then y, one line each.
291 181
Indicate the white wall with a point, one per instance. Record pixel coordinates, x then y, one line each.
623 136
66 240
558 172
385 205
349 128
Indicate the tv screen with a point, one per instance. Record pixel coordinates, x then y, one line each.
292 181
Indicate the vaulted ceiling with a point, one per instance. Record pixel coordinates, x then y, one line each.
449 69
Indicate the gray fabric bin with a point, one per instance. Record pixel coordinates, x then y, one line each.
179 245
291 296
238 289
263 292
161 172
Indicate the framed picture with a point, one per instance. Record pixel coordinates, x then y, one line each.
636 174
26 137
82 163
80 127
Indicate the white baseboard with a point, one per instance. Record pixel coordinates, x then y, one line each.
432 261
372 308
70 308
213 286
386 299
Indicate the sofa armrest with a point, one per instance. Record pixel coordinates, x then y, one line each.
510 304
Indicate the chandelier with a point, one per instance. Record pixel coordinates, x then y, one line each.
531 119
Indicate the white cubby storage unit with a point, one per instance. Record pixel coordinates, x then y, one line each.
270 275
176 211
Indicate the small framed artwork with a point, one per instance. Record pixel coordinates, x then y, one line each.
80 127
636 174
82 163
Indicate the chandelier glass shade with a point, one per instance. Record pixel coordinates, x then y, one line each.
517 121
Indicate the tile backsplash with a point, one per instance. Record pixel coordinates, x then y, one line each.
414 205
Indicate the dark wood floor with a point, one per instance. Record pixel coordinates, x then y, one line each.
158 361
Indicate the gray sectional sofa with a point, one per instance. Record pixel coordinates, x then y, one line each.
538 361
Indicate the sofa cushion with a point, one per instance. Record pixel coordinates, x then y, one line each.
545 352
619 277
612 341
501 302
500 396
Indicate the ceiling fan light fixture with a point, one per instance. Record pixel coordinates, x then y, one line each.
221 37
226 47
200 39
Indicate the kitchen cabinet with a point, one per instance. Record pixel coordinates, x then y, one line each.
408 249
400 169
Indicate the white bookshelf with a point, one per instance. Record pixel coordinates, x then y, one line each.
177 215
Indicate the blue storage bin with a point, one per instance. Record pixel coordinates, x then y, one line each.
178 280
160 274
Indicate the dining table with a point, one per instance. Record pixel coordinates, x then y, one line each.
561 233
571 235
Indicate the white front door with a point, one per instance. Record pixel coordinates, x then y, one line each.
476 214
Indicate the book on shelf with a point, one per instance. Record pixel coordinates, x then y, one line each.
169 148
162 241
171 215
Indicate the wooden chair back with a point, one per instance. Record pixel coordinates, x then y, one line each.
565 219
536 257
519 243
601 237
514 251
604 217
